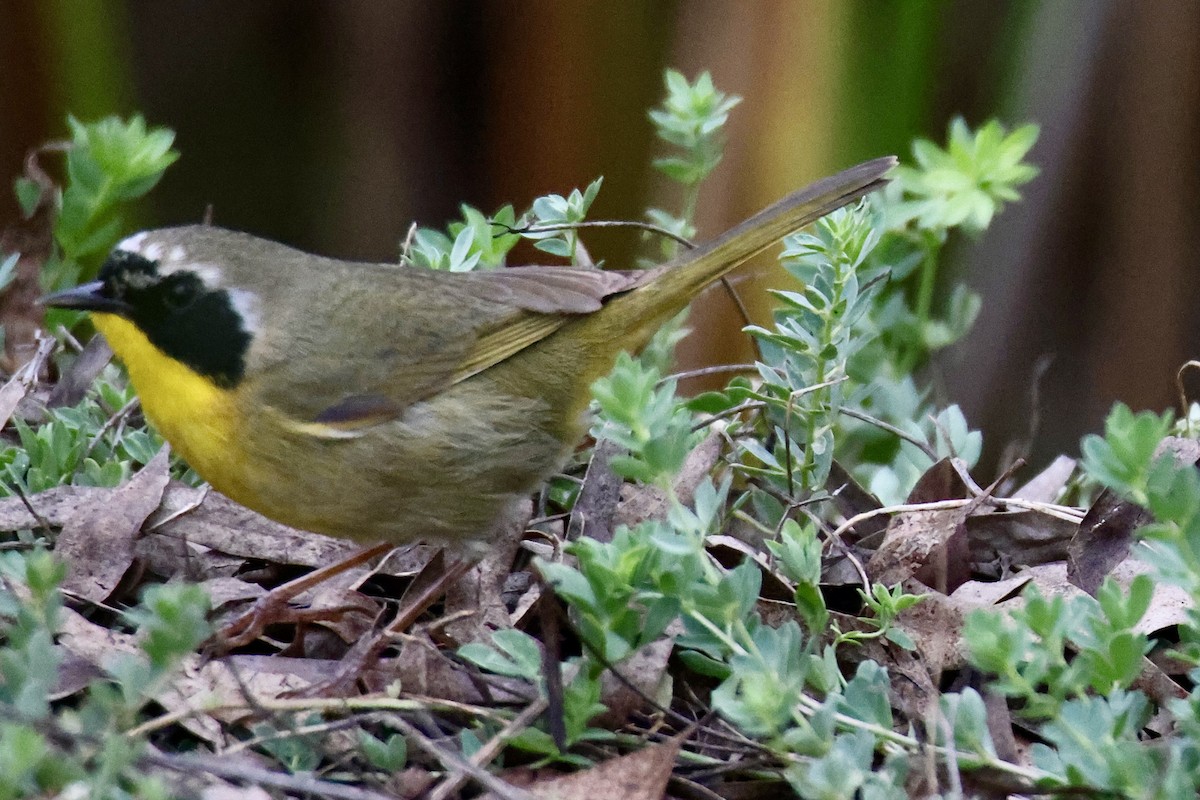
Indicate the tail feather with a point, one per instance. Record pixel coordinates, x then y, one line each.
670 287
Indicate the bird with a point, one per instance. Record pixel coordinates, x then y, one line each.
386 402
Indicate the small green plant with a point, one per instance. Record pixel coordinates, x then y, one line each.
640 412
481 242
48 749
692 121
88 444
109 164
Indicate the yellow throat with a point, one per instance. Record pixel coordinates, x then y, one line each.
188 409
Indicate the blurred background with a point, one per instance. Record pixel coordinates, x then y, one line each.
332 126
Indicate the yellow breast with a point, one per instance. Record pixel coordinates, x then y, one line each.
191 412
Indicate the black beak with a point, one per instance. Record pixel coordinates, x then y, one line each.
86 297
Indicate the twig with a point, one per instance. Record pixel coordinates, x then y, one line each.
119 414
195 763
458 765
729 412
599 223
920 444
490 750
1183 401
940 505
717 370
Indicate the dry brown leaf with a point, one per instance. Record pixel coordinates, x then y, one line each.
928 545
53 506
481 590
942 481
202 516
638 776
851 500
73 385
170 558
643 674
1047 485
345 615
1169 604
26 377
935 625
1104 539
999 723
640 502
983 594
97 540
1003 539
913 691
74 674
224 591
423 669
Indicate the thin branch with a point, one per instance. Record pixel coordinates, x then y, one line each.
920 444
457 765
717 370
234 770
599 223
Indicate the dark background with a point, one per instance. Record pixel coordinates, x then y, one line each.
332 125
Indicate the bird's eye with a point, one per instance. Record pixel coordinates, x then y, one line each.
179 294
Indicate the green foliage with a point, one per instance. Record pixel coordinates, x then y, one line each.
967 183
388 755
554 210
83 748
640 412
109 164
869 313
1125 460
1122 458
807 352
79 445
691 118
1057 649
478 242
516 654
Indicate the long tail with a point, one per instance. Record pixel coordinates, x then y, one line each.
583 349
672 286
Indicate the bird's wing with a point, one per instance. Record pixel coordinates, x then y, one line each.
338 376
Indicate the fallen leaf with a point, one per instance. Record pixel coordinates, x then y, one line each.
640 502
1000 540
932 543
940 482
851 500
1048 485
642 676
73 385
481 590
935 626
26 377
638 776
989 593
97 540
1104 539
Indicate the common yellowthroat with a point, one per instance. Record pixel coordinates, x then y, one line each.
384 402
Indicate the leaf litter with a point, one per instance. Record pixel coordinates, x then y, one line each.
152 529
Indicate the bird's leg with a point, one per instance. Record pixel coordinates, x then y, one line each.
422 594
273 606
